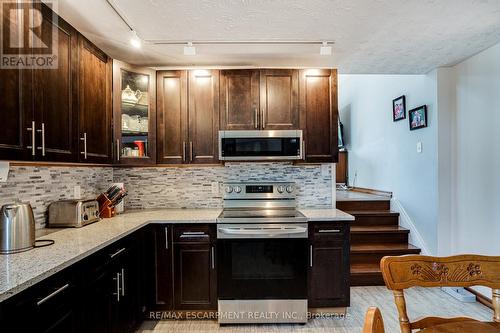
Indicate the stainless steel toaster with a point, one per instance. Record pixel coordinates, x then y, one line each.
73 213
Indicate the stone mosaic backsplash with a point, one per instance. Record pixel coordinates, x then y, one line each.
42 185
192 187
159 187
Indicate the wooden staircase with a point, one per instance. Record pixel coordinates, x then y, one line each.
375 233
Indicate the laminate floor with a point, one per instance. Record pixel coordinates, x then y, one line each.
420 301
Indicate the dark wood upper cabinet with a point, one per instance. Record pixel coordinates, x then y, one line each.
47 111
134 114
95 104
16 116
279 89
203 110
54 93
15 108
239 99
319 114
188 116
172 122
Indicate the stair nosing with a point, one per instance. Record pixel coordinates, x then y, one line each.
410 249
374 230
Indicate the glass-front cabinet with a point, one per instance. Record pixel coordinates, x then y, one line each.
134 114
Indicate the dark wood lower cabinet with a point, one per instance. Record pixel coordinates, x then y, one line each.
161 267
49 306
329 265
183 273
159 255
194 277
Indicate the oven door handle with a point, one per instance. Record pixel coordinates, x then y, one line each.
263 231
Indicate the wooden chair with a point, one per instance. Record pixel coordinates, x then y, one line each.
422 271
373 321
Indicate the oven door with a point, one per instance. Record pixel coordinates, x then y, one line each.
258 262
260 145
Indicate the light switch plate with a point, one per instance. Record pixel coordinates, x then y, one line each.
419 147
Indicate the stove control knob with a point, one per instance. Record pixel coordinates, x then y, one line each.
289 188
229 189
237 189
281 189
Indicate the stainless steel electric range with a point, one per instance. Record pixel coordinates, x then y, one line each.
262 255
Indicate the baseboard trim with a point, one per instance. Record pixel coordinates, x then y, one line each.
481 298
406 222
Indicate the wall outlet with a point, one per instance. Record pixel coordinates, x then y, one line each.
215 188
77 192
419 147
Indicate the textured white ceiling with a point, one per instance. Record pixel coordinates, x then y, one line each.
371 36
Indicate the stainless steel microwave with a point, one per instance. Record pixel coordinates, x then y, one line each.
260 145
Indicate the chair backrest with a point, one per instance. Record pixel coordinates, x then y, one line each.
373 321
407 271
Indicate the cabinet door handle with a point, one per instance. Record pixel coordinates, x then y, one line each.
58 291
116 253
118 149
84 139
42 130
310 256
256 118
117 294
123 281
263 119
166 238
191 151
331 231
212 255
33 138
184 151
303 149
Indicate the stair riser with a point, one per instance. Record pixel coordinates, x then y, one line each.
366 238
363 205
373 220
368 258
367 280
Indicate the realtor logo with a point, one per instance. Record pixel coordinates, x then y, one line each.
29 35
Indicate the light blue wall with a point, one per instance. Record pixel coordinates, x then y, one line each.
383 153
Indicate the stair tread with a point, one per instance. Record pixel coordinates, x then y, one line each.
379 229
384 247
373 212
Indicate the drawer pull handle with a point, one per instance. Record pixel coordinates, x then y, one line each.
117 253
194 234
58 291
332 231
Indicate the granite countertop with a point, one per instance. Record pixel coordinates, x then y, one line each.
21 270
326 214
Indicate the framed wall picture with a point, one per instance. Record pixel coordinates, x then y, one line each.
418 117
399 108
